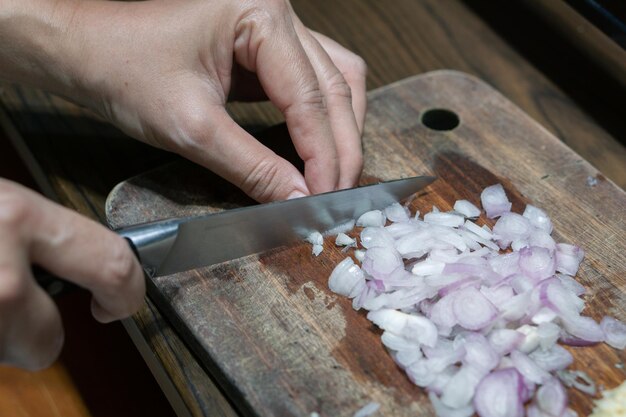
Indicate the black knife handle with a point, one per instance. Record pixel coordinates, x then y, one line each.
56 286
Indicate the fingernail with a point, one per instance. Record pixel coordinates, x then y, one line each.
296 194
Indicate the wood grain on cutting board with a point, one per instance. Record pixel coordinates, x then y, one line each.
280 343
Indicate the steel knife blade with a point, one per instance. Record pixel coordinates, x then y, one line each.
170 246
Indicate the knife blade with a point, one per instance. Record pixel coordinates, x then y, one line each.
176 245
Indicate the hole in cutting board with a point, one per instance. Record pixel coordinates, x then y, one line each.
440 119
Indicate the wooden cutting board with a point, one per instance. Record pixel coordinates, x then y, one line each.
281 344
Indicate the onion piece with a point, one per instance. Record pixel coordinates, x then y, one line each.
495 201
444 411
548 334
551 397
510 227
345 277
379 262
397 213
477 230
375 237
528 368
499 394
345 240
554 359
315 238
579 380
568 258
466 208
374 218
504 341
472 309
412 327
367 410
538 218
614 332
537 263
444 219
461 388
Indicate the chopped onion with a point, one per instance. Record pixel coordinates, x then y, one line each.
538 218
499 394
495 201
315 238
345 277
614 332
374 218
466 208
397 213
568 258
551 397
367 410
471 314
444 219
344 240
472 309
579 380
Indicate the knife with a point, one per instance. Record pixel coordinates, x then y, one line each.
175 245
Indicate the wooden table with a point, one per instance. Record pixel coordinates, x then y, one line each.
77 160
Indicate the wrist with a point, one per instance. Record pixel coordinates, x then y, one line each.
41 47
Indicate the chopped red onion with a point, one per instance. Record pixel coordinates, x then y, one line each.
551 397
511 227
413 327
315 238
504 341
537 263
538 218
554 359
444 219
345 277
568 258
344 240
466 208
444 411
579 380
528 368
495 201
376 236
472 309
614 332
397 213
367 410
374 218
499 394
548 334
462 386
474 322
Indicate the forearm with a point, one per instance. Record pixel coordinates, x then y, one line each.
38 46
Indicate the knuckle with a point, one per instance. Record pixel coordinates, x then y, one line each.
119 268
338 86
358 65
311 103
14 208
12 288
193 130
262 182
264 16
